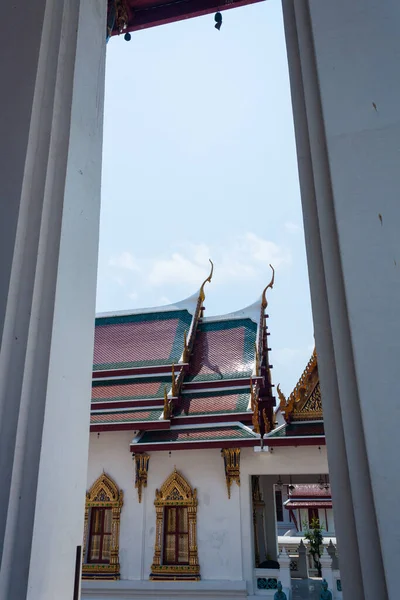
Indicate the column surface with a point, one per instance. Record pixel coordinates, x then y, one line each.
52 117
271 535
348 56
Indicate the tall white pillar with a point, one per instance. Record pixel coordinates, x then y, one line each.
271 535
343 61
51 113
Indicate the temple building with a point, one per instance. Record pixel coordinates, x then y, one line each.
191 464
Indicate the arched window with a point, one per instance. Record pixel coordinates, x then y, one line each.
175 551
101 534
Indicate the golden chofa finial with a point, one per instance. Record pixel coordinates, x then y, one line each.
202 294
264 302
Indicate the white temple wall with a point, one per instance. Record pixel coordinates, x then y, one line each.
224 526
218 522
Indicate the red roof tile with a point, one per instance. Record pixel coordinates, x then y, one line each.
308 504
200 404
223 350
150 388
125 416
139 340
310 490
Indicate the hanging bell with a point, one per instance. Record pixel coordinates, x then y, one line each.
218 20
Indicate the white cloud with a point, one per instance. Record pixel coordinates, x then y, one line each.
243 258
164 300
266 251
177 269
125 261
133 295
292 227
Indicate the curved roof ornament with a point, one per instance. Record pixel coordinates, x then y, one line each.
202 295
264 302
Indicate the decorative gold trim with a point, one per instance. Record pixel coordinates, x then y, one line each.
104 493
167 406
174 386
264 302
141 467
186 350
304 403
254 408
267 423
202 295
176 491
256 359
232 467
121 16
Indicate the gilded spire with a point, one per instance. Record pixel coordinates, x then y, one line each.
264 302
202 294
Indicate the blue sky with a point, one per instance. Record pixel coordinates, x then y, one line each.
199 161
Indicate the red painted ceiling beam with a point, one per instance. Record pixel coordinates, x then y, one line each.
143 18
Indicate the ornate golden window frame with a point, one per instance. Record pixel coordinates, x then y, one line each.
104 493
176 491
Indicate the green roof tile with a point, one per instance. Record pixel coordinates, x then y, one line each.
196 435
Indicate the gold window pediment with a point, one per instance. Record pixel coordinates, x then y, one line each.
177 495
104 494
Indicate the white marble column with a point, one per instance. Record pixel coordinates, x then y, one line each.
343 61
51 113
271 536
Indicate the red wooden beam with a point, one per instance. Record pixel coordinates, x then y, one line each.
151 16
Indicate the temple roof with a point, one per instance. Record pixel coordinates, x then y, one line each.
310 490
309 495
170 368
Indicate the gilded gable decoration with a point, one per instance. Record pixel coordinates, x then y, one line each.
254 408
141 467
304 403
104 494
176 495
231 458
